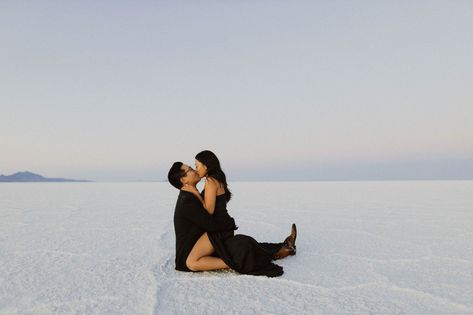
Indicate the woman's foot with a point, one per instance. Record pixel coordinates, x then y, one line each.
290 241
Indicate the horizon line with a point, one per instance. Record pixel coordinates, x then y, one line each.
252 181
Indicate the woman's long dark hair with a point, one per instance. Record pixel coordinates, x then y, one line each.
209 159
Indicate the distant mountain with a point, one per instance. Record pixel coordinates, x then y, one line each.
32 177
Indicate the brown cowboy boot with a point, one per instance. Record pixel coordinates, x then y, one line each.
289 245
283 252
290 241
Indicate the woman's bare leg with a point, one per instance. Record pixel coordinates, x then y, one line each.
199 258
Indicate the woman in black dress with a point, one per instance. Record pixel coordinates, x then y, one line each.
239 252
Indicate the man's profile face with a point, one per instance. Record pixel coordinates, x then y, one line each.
190 175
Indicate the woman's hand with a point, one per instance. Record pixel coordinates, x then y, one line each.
191 188
195 191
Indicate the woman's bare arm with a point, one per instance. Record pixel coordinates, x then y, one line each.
210 196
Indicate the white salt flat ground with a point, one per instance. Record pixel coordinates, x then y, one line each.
363 248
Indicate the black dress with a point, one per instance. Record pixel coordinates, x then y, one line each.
241 252
191 220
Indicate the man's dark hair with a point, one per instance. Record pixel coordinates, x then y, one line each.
175 174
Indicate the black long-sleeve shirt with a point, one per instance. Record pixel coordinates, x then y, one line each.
191 220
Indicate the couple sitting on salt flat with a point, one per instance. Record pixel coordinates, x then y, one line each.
204 230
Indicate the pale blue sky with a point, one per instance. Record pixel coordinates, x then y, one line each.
115 90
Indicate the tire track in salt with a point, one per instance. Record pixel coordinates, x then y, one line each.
162 270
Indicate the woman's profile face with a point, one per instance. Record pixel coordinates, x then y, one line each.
200 168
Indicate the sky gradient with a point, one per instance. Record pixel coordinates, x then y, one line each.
279 90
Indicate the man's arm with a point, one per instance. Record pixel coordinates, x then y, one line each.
194 211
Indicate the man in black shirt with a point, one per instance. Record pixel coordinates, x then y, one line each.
191 220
